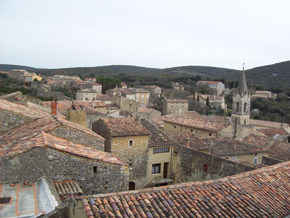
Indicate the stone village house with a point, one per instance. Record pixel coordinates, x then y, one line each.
127 139
34 143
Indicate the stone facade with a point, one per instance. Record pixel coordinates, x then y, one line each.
61 166
125 103
78 137
77 116
174 106
188 161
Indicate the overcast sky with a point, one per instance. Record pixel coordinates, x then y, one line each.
159 33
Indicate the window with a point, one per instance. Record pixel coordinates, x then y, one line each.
147 100
174 127
191 130
142 96
137 96
130 165
131 142
205 168
147 96
95 169
171 106
160 150
210 134
156 168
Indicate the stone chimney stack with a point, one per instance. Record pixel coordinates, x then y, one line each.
54 107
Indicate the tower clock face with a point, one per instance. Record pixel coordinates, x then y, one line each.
246 98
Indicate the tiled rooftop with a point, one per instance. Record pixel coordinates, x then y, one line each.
62 106
144 110
200 124
273 132
259 193
22 109
217 119
229 146
101 96
125 127
68 188
256 140
280 151
156 137
268 124
194 142
176 101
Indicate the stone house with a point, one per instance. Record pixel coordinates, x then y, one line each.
17 72
104 98
128 139
154 90
125 103
174 106
38 154
148 113
121 92
68 79
178 87
160 153
262 94
56 85
124 86
215 101
90 80
216 85
141 96
86 95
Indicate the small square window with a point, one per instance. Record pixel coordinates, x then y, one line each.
210 134
191 130
174 127
95 169
131 142
156 168
205 168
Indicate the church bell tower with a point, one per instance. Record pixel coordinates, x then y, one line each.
241 103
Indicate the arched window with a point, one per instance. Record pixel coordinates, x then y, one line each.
245 107
237 106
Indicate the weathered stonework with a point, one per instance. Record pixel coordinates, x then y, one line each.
11 120
78 137
188 161
60 166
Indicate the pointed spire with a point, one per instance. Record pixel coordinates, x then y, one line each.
242 87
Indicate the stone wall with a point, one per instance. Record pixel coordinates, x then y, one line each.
172 128
60 166
9 120
90 119
125 103
11 96
78 137
77 116
100 128
188 161
137 155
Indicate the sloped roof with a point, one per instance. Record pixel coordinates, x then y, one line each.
280 151
27 111
200 124
256 140
194 142
209 82
268 124
273 132
222 146
124 127
156 137
66 188
101 96
259 193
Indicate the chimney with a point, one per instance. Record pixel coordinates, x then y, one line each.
54 107
187 142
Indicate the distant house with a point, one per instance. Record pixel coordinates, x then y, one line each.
17 72
148 113
86 95
90 80
128 139
177 86
141 96
104 98
215 101
121 92
262 94
154 90
217 85
124 86
174 106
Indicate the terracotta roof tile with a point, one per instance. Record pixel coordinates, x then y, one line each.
124 127
68 188
101 96
156 137
273 132
280 151
194 142
260 193
257 140
268 124
200 124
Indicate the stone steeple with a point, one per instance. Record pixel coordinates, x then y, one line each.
241 103
242 87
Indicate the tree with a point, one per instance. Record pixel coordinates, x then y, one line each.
207 101
108 83
198 97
